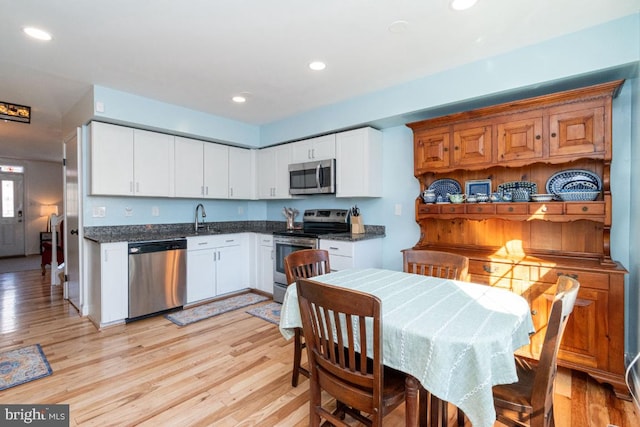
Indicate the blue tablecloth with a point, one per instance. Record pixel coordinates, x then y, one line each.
456 338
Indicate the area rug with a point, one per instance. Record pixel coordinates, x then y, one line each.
23 365
269 312
205 311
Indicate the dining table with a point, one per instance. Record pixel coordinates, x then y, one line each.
456 338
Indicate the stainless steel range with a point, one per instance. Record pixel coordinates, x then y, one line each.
315 222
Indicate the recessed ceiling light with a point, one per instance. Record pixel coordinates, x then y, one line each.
398 27
317 65
239 99
37 33
462 4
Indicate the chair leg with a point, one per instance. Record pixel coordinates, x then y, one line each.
460 418
298 345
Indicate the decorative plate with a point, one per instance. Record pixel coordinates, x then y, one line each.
573 180
531 187
444 186
578 196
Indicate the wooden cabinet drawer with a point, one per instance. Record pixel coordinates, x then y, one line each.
585 208
428 209
452 208
480 208
497 270
514 285
512 209
586 278
549 208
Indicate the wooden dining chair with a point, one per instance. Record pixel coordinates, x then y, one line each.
446 265
529 402
303 264
336 322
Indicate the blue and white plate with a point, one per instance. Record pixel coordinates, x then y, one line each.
444 186
573 180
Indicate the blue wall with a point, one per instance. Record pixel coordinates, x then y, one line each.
601 53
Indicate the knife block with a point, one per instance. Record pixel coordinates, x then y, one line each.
357 227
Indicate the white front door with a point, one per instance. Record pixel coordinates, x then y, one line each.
12 213
72 223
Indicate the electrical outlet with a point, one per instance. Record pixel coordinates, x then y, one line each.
99 107
398 209
128 211
240 210
99 212
155 211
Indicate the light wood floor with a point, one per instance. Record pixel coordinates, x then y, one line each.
230 370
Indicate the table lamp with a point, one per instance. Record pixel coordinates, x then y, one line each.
48 210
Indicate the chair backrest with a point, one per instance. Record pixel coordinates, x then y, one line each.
446 265
561 308
306 263
340 364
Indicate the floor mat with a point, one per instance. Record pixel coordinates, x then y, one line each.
23 365
269 312
205 311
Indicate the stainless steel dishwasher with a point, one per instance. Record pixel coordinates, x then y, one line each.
157 276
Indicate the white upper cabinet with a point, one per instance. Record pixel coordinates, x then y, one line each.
111 159
273 172
359 163
216 171
213 171
189 167
130 162
242 176
309 150
153 164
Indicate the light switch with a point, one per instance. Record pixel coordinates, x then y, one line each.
99 107
398 209
155 211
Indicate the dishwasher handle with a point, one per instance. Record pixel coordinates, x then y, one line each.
157 246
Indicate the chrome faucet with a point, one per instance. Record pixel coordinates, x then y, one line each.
196 225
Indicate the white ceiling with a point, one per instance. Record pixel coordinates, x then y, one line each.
199 53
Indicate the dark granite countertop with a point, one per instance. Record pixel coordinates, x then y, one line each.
139 233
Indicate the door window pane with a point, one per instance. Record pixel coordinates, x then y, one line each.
7 199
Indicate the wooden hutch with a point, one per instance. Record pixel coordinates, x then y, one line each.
525 246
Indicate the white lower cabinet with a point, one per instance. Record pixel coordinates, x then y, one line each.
108 282
361 254
216 265
264 280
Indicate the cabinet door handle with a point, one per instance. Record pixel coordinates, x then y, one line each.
231 192
534 312
333 248
446 149
538 137
553 135
456 147
74 231
137 187
488 268
585 208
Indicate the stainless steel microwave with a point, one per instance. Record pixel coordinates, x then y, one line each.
317 177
